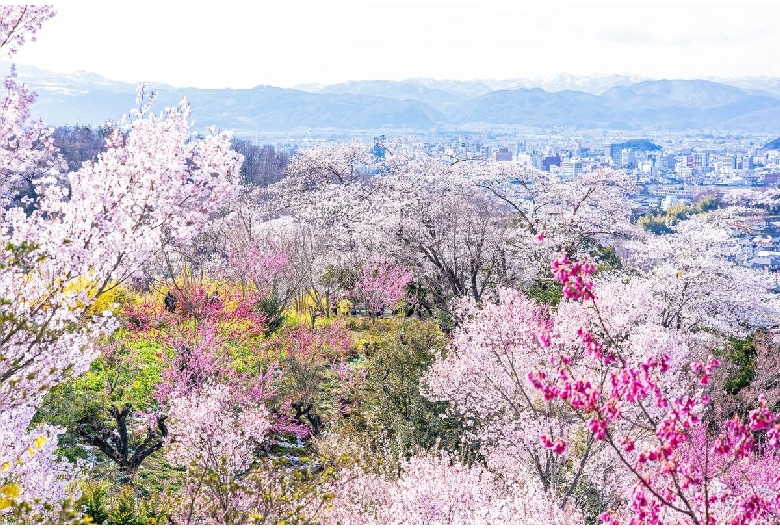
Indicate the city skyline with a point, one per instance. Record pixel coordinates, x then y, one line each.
244 46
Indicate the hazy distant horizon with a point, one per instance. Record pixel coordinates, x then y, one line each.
235 46
5 64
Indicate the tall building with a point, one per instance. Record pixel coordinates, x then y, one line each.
701 159
550 161
502 155
627 158
571 168
614 151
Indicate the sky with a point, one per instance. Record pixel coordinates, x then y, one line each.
221 45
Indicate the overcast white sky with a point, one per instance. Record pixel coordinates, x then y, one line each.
284 43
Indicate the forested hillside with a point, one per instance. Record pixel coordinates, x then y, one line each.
195 330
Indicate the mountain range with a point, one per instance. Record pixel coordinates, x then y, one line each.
608 102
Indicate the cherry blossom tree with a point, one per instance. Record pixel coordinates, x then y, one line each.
483 377
432 490
153 183
643 325
210 428
24 145
260 267
767 199
694 273
328 188
462 228
570 210
446 231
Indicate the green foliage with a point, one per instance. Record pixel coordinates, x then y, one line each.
21 256
272 307
606 259
546 291
388 410
588 498
94 500
126 375
445 320
707 204
641 144
125 508
662 223
654 224
741 357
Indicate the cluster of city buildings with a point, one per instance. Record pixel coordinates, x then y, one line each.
731 161
679 169
669 167
693 159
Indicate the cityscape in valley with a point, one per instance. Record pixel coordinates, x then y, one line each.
680 139
530 298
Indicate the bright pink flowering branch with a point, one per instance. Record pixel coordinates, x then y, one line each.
575 278
682 474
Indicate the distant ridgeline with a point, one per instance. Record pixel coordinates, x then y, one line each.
616 103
